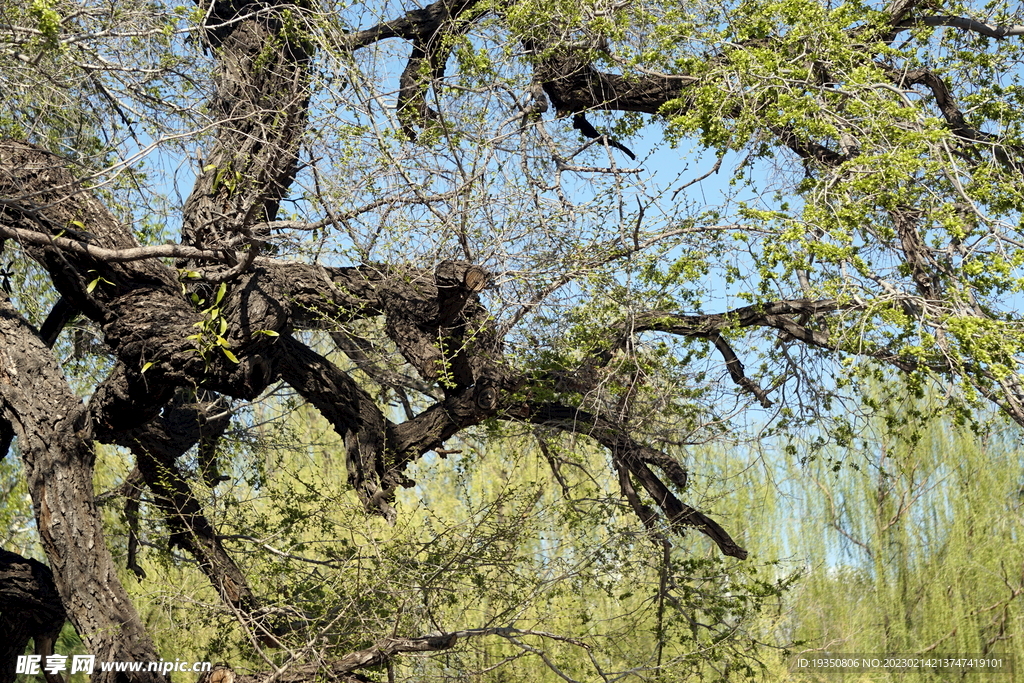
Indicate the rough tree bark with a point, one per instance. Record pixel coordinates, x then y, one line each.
434 318
30 609
54 433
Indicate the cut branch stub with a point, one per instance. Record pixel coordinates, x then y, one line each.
456 284
475 279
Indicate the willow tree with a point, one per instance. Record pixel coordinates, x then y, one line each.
212 193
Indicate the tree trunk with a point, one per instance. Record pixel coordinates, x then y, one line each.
55 438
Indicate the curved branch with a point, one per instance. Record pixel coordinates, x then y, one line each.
635 457
378 450
430 29
943 98
379 653
778 315
139 304
264 53
966 23
735 368
773 314
157 446
354 416
711 327
424 21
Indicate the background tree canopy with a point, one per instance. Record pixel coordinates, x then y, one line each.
261 254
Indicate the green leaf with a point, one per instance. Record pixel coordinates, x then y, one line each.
230 356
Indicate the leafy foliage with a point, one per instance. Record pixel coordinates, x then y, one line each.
828 197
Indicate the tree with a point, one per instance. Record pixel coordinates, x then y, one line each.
441 224
904 554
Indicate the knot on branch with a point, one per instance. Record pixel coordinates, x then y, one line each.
487 398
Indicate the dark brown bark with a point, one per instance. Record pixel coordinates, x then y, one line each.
157 446
419 308
432 40
262 94
135 303
54 435
354 416
30 609
634 458
343 669
433 317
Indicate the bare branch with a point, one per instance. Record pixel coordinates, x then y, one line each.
114 255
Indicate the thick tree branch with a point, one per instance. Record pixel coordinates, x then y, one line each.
943 99
55 439
966 23
432 31
735 368
774 314
157 446
573 85
382 651
264 52
441 329
710 327
635 458
30 608
139 305
354 416
580 123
